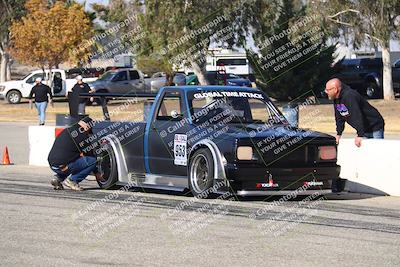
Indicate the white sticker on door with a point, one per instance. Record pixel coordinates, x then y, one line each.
180 144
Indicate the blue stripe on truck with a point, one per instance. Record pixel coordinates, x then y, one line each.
147 130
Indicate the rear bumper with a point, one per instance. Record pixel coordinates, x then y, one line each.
2 97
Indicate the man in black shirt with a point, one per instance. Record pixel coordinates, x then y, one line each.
71 155
42 93
77 104
352 108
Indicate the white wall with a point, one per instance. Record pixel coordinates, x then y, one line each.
373 168
41 139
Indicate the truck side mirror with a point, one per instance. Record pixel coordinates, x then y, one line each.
175 115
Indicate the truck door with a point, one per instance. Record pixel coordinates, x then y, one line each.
136 82
58 83
121 83
167 136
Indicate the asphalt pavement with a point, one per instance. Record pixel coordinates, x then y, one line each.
44 227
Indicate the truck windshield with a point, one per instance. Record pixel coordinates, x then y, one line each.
239 107
107 76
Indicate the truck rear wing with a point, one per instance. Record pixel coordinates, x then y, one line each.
106 96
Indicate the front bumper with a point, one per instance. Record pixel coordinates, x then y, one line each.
254 193
2 96
252 180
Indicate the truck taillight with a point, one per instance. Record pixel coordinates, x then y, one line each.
327 152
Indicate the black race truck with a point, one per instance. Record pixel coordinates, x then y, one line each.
212 138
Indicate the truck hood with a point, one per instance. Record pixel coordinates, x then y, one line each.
260 131
98 84
11 84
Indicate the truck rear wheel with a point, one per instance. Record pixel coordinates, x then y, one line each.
201 173
14 97
107 164
373 91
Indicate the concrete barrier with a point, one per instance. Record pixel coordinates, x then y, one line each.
373 168
41 139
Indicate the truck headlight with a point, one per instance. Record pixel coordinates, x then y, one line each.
327 152
2 87
245 153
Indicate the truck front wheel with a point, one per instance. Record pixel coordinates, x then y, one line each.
14 97
107 164
201 173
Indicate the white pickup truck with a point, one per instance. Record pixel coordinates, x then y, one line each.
14 91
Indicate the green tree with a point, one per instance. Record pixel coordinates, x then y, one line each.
293 59
10 10
179 32
365 21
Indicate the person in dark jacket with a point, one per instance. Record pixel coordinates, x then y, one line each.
42 93
352 108
71 155
77 104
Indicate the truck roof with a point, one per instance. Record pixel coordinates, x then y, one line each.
187 88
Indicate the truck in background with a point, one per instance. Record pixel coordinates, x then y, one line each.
365 75
121 81
63 81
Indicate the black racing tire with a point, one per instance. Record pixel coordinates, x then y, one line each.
201 173
107 164
373 91
14 96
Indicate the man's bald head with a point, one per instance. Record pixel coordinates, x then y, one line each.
333 88
334 82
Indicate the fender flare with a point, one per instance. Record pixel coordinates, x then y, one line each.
372 76
122 167
13 89
218 158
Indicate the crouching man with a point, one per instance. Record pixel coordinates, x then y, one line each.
67 158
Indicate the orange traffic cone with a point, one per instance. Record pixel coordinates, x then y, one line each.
6 157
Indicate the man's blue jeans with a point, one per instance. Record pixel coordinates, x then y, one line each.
376 135
78 169
41 108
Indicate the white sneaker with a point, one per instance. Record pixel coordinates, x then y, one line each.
71 184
